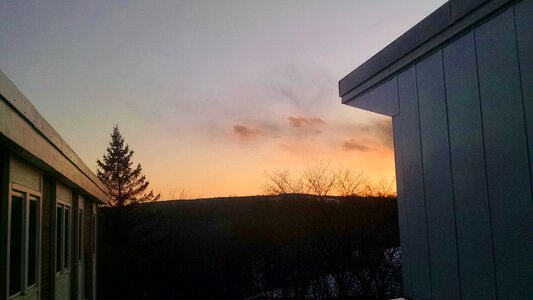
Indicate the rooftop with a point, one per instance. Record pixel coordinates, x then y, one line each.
23 128
447 22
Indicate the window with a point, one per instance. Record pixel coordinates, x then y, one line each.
59 235
93 236
80 234
63 234
15 250
66 263
32 242
23 240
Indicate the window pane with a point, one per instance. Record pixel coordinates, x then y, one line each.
59 227
80 234
15 254
93 235
67 237
32 242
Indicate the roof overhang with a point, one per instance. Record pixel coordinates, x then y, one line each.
449 21
25 131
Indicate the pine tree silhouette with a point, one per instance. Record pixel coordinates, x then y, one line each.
126 185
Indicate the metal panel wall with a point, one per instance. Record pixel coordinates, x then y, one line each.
463 143
524 36
463 167
382 100
437 179
472 213
506 153
402 206
414 185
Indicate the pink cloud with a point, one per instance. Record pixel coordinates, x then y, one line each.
305 122
246 132
353 145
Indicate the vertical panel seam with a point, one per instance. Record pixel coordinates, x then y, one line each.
408 257
451 173
523 104
423 180
485 164
404 253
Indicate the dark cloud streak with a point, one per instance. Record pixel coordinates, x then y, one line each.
305 122
353 145
246 132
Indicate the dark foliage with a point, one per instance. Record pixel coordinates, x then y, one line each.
251 248
126 185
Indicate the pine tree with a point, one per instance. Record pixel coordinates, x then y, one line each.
126 184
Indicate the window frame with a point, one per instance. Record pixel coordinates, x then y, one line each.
94 232
65 261
80 233
27 195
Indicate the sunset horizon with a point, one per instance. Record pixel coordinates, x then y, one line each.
245 149
208 107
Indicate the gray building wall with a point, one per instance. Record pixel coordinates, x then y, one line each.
463 139
38 170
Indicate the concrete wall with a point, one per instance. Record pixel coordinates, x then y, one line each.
463 135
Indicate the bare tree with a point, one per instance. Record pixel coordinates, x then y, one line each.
359 263
349 183
319 179
182 195
280 183
382 187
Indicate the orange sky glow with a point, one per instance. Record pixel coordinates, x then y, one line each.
209 94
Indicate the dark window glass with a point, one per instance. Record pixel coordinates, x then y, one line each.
80 234
67 237
93 235
59 236
32 242
15 250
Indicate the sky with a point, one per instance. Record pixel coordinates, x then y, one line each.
209 94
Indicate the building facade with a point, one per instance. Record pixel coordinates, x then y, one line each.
459 89
48 207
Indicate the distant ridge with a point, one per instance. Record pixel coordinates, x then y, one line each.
295 196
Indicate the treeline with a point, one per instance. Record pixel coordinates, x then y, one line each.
263 247
320 179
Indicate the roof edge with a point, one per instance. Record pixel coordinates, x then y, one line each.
445 23
27 112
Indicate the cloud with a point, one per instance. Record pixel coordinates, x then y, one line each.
247 132
382 130
302 87
376 134
305 122
353 145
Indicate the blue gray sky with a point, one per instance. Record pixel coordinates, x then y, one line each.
209 94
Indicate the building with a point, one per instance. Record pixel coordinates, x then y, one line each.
48 201
459 89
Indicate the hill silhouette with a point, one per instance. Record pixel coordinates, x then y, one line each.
290 246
